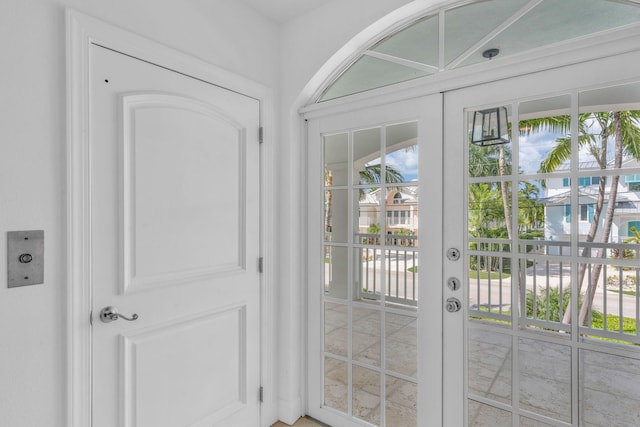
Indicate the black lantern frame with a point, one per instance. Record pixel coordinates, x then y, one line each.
490 127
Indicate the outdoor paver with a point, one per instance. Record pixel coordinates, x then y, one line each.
401 358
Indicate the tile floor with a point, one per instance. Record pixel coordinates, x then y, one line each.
400 364
302 422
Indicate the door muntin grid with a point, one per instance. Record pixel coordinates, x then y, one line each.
532 359
371 273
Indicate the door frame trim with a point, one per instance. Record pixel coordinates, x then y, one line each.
82 31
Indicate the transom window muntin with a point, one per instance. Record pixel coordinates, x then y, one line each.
458 36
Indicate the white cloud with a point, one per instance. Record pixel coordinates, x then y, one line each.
535 148
405 162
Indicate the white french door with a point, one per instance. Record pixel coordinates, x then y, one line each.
371 336
536 239
547 335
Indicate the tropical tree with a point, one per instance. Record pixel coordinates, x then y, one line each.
530 210
634 239
598 131
485 208
371 174
494 160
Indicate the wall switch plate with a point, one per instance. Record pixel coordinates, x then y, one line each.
25 258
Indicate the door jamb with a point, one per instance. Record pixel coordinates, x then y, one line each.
81 32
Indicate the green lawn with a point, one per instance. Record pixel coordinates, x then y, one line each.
613 323
473 274
632 293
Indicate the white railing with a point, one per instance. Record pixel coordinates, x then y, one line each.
390 269
542 275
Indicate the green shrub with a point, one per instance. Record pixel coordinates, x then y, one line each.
541 304
373 229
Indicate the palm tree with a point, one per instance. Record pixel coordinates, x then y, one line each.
635 236
596 132
493 160
530 210
372 174
485 207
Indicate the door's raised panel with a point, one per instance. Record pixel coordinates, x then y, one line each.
183 190
191 372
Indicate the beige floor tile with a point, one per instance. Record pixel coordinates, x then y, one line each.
302 422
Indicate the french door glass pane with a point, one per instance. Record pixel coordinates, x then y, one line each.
336 215
367 274
401 344
528 422
490 160
367 226
481 415
544 129
366 394
366 336
553 264
401 402
336 329
609 389
602 111
336 384
547 294
544 373
335 159
336 275
401 148
489 205
367 144
370 257
490 359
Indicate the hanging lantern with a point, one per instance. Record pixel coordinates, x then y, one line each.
490 127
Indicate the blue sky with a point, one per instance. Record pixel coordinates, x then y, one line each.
405 162
534 148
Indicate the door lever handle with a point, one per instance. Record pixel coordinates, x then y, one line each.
110 314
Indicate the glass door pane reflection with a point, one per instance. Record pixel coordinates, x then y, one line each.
371 255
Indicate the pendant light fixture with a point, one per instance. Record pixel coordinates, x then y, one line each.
490 127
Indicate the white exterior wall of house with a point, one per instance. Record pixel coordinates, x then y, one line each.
556 223
32 159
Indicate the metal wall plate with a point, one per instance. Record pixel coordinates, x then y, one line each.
25 258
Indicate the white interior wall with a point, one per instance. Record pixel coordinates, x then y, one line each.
312 45
32 161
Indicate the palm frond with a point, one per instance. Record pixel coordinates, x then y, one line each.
555 124
631 133
560 153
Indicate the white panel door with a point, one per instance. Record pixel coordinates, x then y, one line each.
175 241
